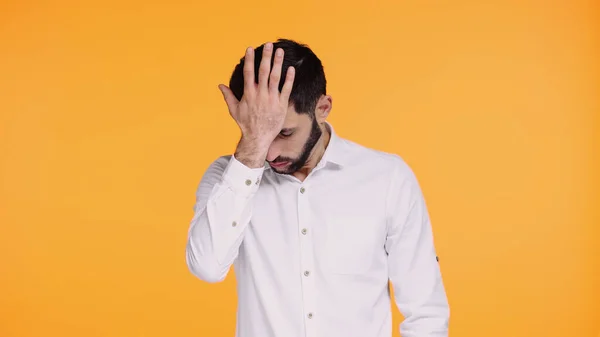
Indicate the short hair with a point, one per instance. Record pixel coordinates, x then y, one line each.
309 80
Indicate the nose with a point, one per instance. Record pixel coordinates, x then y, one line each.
274 151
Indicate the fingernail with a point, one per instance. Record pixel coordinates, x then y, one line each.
268 46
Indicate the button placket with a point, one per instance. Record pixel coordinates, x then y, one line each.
306 260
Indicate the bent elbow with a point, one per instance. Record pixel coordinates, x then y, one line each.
206 270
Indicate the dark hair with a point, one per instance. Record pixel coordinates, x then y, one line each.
309 81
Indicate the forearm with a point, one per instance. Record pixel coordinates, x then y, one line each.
222 213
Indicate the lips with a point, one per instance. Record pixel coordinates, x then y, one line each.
279 165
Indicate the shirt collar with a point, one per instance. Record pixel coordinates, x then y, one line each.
334 153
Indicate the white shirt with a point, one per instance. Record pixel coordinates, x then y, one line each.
315 258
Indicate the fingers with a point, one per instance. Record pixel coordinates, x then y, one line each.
249 71
265 67
287 85
276 72
229 98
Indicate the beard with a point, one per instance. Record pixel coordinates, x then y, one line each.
300 161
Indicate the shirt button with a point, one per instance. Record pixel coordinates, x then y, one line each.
310 315
233 224
302 190
304 231
306 273
248 182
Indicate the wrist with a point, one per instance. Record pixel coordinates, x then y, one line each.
252 153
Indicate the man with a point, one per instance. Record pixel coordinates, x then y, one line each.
315 226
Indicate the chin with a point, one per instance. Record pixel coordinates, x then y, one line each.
282 171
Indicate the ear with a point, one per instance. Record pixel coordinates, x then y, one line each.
323 108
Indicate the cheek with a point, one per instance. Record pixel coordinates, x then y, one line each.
297 143
285 145
290 146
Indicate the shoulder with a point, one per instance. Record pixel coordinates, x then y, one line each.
376 160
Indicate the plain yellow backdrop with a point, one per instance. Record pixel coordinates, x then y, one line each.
110 113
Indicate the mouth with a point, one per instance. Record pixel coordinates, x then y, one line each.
279 165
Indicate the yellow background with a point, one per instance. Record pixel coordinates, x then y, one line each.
110 112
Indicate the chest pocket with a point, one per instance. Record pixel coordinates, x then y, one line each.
351 244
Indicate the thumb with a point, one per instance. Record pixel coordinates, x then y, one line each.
229 97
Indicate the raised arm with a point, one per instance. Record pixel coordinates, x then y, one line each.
224 196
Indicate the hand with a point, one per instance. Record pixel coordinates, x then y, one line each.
262 109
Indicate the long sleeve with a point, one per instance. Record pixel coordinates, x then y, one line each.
414 270
222 212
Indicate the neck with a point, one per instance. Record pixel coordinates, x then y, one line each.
316 155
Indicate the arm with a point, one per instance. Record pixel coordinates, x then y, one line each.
413 268
224 198
221 214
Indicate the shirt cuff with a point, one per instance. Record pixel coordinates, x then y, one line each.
242 179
